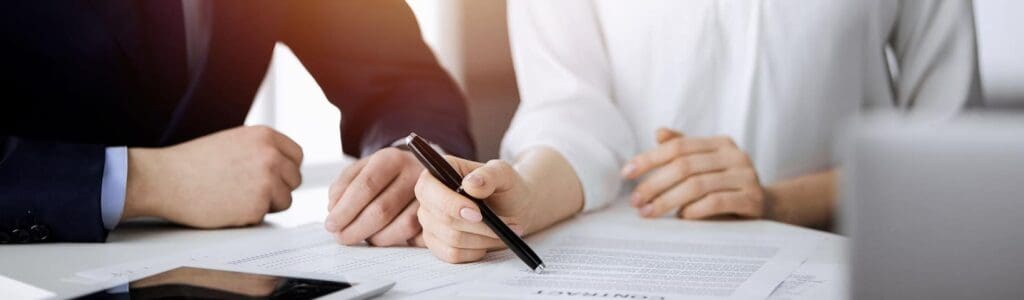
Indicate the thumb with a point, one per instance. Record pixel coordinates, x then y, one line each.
494 177
664 134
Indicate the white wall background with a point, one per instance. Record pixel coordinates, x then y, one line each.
291 102
1000 26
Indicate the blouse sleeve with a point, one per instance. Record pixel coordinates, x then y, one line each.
934 45
565 94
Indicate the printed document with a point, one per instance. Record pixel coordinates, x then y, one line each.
647 263
13 289
811 281
604 257
309 249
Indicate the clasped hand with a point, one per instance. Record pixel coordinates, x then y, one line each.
697 177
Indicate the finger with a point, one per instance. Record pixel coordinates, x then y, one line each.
451 254
682 167
342 182
281 196
401 231
664 134
463 166
288 147
494 177
691 189
381 211
668 151
743 203
466 240
441 227
372 179
437 219
437 197
290 173
418 241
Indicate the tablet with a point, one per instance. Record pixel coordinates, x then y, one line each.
203 283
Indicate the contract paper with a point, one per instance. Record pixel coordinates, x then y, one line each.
811 281
646 263
13 289
308 249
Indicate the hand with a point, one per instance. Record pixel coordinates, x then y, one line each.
372 200
452 225
699 177
229 178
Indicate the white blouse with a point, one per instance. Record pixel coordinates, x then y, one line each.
597 78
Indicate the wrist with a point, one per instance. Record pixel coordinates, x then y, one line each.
542 211
136 202
553 191
774 206
806 201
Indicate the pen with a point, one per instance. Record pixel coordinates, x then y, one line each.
444 172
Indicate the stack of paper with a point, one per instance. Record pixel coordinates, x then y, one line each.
811 281
651 263
13 289
309 249
591 257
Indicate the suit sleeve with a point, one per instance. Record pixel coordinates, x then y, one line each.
371 62
50 191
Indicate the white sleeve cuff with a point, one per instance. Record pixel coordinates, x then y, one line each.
582 143
115 183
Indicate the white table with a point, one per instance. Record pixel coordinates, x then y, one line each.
44 265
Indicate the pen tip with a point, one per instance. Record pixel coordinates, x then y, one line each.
539 269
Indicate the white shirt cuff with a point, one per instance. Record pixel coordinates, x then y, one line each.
114 186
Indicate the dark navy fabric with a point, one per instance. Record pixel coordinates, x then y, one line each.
79 76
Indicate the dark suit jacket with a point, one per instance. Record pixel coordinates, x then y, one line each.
82 75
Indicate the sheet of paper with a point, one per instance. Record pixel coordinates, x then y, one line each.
811 281
13 289
308 249
647 263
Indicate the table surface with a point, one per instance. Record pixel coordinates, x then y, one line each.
46 265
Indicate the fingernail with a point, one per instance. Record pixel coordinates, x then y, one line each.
470 214
628 169
647 210
475 180
331 226
635 199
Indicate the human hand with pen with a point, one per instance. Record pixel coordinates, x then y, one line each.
536 191
453 226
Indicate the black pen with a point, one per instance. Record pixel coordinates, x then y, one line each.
444 172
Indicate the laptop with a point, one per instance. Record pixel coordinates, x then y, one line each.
935 210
